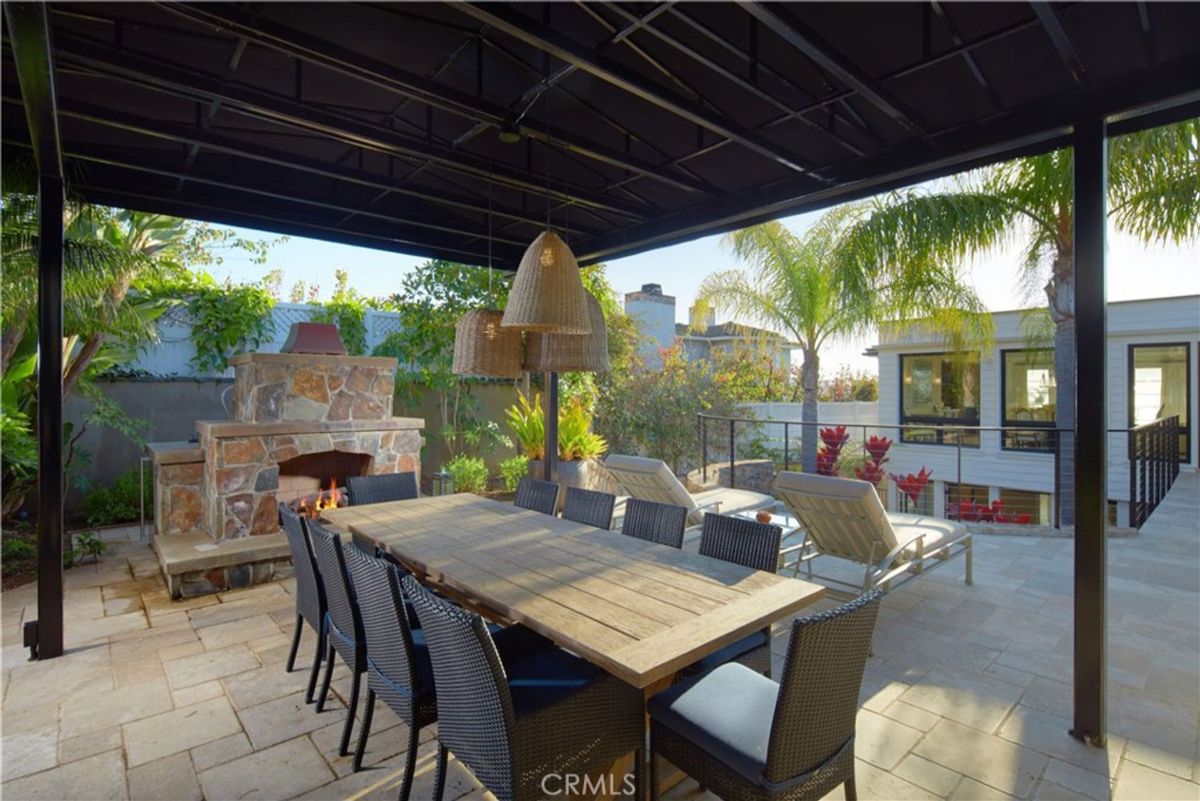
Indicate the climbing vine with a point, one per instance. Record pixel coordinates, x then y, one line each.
226 320
348 311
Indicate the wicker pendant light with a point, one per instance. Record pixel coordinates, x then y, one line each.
547 293
483 348
563 352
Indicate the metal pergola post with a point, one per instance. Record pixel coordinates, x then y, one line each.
550 458
29 35
1090 179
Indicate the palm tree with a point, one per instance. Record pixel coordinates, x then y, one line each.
791 283
1154 194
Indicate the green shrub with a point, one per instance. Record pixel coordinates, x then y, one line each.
88 544
119 503
513 470
17 550
528 425
469 474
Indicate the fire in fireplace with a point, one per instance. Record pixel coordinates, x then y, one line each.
311 506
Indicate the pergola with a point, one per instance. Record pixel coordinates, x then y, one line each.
626 126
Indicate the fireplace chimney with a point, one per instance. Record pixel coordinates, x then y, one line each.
314 338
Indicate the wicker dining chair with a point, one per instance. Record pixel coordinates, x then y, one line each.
343 622
540 496
398 667
746 738
310 594
515 709
589 507
656 522
750 544
382 488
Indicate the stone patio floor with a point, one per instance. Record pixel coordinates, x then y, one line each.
967 695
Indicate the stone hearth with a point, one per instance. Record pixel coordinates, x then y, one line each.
303 410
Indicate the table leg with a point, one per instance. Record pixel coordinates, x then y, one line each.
668 774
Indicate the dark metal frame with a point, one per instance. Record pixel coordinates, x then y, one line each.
1185 454
936 423
1153 466
1022 424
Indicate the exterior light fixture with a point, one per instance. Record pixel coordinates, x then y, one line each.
547 293
546 353
509 133
482 347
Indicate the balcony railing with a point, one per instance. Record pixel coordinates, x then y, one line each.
1153 454
1153 466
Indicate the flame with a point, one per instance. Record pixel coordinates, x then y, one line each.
312 506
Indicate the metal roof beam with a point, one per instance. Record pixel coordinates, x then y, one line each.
821 53
520 27
952 31
267 33
1048 17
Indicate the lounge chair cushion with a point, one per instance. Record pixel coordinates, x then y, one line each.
649 480
733 501
843 516
937 531
726 712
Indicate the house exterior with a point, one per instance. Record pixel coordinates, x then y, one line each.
654 315
1005 397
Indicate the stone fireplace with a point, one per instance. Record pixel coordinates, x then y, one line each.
300 421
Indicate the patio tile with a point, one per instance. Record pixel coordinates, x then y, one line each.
210 665
97 778
875 783
1049 791
227 612
1049 735
970 790
80 670
178 730
120 606
983 757
285 718
1163 760
283 771
80 632
1085 783
382 782
223 635
89 744
385 742
969 698
30 752
264 684
929 775
186 696
220 751
90 713
167 778
913 716
881 741
132 672
191 647
1139 783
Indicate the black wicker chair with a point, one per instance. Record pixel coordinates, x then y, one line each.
589 507
382 488
398 667
656 522
310 594
515 709
746 738
540 496
343 622
750 544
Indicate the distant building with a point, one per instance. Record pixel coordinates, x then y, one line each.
654 315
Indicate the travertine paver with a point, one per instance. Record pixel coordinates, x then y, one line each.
967 694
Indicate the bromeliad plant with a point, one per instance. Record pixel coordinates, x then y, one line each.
872 468
913 485
832 442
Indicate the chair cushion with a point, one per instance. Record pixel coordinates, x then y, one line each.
731 652
544 677
937 531
726 712
424 667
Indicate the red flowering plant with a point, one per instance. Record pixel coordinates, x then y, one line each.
832 441
913 485
872 469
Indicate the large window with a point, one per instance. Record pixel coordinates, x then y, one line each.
1029 399
939 392
1160 386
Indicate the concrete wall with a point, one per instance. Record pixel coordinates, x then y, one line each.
493 400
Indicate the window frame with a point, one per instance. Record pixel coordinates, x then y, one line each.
1185 430
938 423
1005 423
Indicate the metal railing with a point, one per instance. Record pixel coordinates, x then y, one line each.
1153 456
1153 466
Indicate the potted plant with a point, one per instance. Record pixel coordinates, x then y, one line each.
579 448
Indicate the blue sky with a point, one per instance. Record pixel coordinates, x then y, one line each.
1134 271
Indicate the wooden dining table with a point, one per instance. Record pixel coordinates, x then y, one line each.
638 610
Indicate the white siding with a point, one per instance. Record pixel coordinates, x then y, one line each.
1157 321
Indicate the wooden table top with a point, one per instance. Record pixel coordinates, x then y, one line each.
640 611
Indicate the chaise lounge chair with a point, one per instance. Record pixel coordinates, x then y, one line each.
843 518
651 480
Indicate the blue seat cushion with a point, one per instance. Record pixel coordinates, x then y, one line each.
726 712
424 666
731 652
540 678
